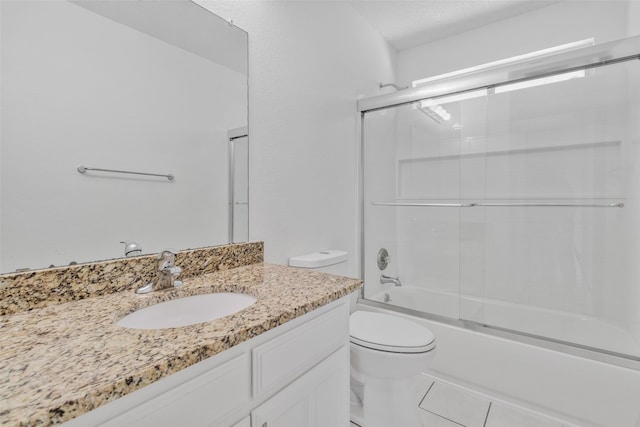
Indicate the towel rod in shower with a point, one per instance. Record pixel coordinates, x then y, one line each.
470 205
83 169
553 205
431 205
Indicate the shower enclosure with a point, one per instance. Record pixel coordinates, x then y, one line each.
507 200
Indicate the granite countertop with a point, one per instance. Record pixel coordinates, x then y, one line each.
60 361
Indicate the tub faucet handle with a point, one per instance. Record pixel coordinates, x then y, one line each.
383 259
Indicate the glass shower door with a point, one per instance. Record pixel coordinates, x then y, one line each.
514 206
417 159
411 194
560 209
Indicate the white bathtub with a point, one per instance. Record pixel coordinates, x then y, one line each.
569 327
576 390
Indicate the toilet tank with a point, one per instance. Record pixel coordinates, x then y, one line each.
331 261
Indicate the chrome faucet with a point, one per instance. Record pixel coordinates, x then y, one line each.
387 279
166 274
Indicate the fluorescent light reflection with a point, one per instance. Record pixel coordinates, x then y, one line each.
453 98
433 106
541 81
507 61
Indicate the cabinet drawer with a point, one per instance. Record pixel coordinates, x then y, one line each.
197 402
283 359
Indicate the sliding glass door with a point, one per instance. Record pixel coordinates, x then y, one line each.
514 206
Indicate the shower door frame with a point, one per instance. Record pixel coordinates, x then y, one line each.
581 59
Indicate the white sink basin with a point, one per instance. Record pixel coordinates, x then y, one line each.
187 311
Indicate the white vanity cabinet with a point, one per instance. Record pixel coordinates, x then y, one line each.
294 375
304 396
319 398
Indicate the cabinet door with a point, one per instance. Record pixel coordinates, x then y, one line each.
319 398
281 360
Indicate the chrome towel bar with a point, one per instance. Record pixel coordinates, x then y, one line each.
84 169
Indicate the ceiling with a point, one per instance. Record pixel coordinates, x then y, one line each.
409 23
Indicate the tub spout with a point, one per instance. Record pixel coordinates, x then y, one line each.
387 279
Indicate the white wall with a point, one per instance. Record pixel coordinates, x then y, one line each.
1 60
308 63
553 25
82 89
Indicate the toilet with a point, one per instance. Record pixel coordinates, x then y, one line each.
387 352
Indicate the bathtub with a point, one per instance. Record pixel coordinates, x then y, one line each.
576 390
588 331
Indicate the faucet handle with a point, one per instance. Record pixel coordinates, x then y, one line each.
166 258
166 252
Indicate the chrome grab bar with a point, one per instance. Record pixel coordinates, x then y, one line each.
84 169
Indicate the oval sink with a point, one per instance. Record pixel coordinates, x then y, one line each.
187 311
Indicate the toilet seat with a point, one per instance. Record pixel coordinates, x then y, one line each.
389 333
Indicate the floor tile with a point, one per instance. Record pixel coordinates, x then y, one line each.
506 416
433 420
456 404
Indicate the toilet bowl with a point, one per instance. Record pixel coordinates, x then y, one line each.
387 352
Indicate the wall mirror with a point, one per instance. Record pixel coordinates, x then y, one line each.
157 87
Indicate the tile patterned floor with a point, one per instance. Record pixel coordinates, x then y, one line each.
445 405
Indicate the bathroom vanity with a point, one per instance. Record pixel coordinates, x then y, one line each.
296 374
281 361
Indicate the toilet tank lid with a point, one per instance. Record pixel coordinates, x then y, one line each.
318 259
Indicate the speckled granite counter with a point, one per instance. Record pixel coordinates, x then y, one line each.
41 288
60 361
